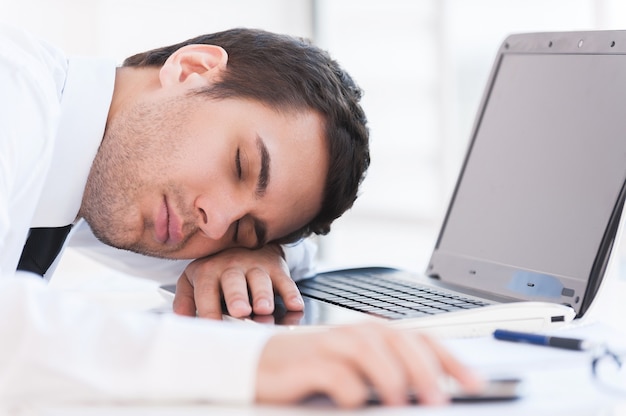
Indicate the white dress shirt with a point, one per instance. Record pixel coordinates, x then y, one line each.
54 345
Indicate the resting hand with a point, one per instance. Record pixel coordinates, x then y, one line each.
246 278
344 362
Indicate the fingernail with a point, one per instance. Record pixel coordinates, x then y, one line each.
298 300
263 303
240 305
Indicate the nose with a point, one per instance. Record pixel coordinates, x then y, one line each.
216 216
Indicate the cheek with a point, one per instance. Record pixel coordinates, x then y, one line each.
204 160
293 210
298 195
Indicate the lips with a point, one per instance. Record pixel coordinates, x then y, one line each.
168 226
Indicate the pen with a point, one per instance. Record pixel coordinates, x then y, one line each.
549 341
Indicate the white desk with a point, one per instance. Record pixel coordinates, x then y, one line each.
557 382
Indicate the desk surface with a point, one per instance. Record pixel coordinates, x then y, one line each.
556 381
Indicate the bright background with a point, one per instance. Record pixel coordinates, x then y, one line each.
422 63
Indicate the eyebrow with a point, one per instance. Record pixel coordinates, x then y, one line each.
261 187
264 172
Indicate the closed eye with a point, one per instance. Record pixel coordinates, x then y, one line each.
238 163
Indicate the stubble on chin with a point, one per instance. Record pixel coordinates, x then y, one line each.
135 150
109 198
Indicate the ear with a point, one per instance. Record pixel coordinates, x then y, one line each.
195 65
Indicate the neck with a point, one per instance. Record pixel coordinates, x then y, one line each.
130 84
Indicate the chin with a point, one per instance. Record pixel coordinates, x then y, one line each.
164 252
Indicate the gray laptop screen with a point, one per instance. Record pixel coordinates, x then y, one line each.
546 168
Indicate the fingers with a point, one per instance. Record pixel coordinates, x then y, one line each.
294 366
238 289
468 379
423 368
253 291
345 387
345 363
382 367
288 291
245 278
395 363
184 303
235 286
426 364
207 294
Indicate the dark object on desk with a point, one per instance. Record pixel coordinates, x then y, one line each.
496 390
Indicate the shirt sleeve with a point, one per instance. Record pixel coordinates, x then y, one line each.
56 347
25 151
300 257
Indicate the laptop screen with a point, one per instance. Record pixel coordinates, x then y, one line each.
543 178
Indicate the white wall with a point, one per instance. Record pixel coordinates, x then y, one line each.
120 28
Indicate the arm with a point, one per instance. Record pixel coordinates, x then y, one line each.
60 347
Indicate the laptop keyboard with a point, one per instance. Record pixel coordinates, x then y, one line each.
386 297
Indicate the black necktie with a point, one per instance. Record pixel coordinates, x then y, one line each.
42 247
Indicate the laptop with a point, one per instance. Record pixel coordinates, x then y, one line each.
535 213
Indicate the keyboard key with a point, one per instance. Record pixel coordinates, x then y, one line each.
385 297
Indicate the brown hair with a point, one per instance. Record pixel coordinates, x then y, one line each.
286 72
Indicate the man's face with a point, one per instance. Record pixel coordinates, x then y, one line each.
187 176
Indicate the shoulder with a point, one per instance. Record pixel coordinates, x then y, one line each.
31 81
32 65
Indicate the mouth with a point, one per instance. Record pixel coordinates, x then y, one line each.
168 226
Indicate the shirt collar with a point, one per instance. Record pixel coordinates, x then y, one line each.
85 105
